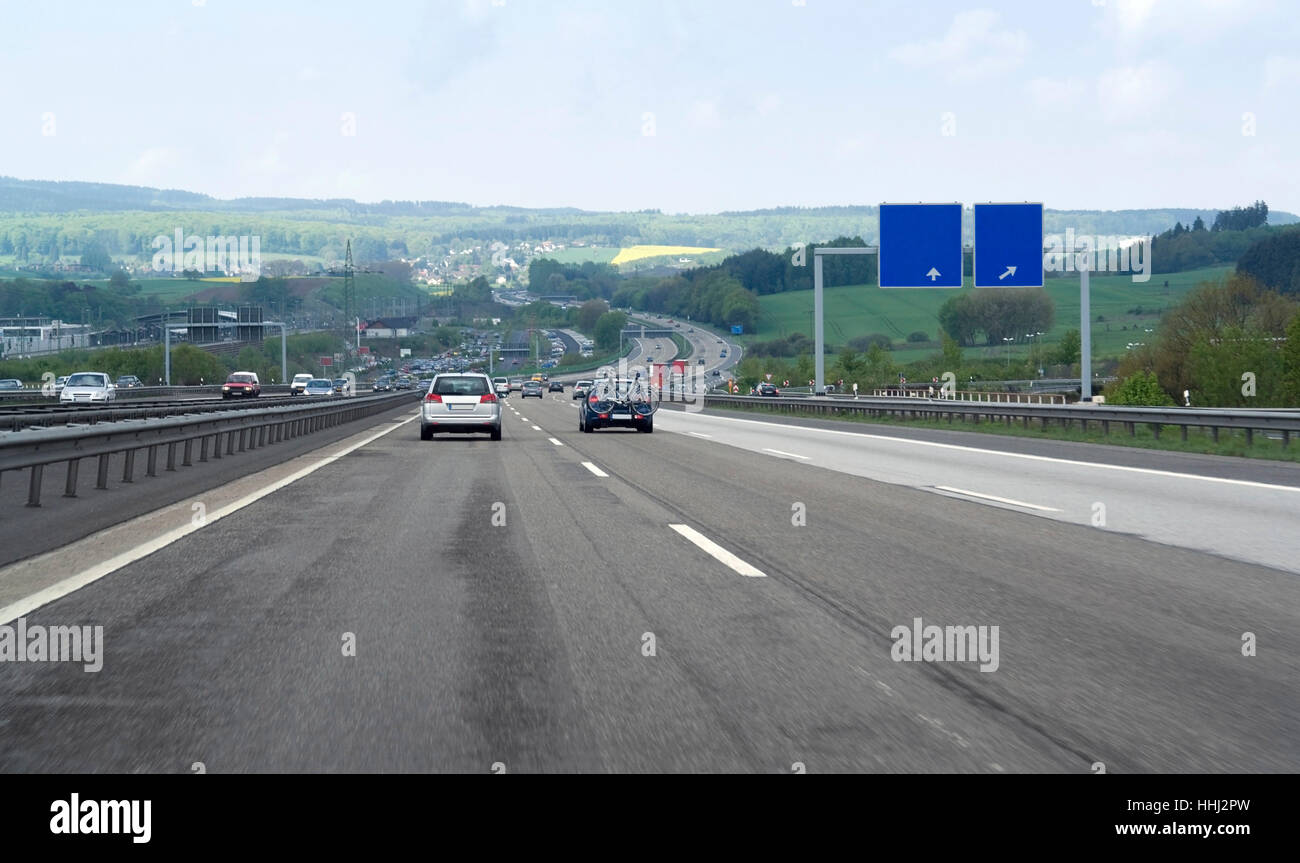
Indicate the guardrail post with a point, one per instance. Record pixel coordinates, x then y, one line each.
1183 429
128 466
34 485
1214 430
70 485
243 440
151 466
1286 439
230 442
216 444
171 456
1105 428
1250 437
203 448
1155 430
101 479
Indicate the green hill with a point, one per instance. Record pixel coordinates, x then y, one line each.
861 310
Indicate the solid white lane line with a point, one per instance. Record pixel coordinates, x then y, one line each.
717 551
780 452
60 589
963 491
701 434
556 442
1146 470
591 467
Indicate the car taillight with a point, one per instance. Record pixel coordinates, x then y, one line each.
487 397
593 400
433 397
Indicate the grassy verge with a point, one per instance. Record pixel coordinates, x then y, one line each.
684 347
1232 442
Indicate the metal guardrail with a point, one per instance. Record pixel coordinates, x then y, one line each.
233 431
19 417
36 395
1286 422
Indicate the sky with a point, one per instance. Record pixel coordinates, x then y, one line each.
695 106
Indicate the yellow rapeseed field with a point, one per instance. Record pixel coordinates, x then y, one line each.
636 253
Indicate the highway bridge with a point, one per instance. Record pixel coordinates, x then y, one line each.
732 593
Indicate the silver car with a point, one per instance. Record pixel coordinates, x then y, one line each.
465 402
87 387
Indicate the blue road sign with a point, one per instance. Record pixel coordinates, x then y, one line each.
1008 245
920 246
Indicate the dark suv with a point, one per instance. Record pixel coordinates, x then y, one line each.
616 402
767 389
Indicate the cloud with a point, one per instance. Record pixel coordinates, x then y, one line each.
1062 93
704 114
971 48
1133 92
156 166
1282 72
768 103
1189 19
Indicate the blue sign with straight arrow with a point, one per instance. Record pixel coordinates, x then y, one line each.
920 246
1008 246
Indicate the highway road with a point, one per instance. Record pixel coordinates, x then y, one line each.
721 595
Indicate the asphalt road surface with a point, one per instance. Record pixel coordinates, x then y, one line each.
716 596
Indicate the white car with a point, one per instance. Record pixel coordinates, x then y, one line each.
501 386
87 388
299 385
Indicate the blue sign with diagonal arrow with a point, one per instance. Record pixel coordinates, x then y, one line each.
920 246
1008 245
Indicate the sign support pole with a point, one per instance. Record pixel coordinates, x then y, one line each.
819 326
1085 329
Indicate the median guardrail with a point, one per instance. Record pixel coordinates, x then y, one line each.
232 431
1285 422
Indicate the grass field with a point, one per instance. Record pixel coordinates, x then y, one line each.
861 310
635 253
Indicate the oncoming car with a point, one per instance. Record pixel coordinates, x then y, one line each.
461 402
87 387
299 385
241 385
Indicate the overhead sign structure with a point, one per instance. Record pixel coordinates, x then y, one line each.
920 246
1008 245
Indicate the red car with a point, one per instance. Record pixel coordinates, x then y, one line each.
241 384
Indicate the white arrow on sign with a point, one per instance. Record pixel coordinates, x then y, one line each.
1011 271
933 274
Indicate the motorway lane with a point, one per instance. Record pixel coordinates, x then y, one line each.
523 643
1115 638
1243 519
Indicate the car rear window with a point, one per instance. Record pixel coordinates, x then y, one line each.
460 386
